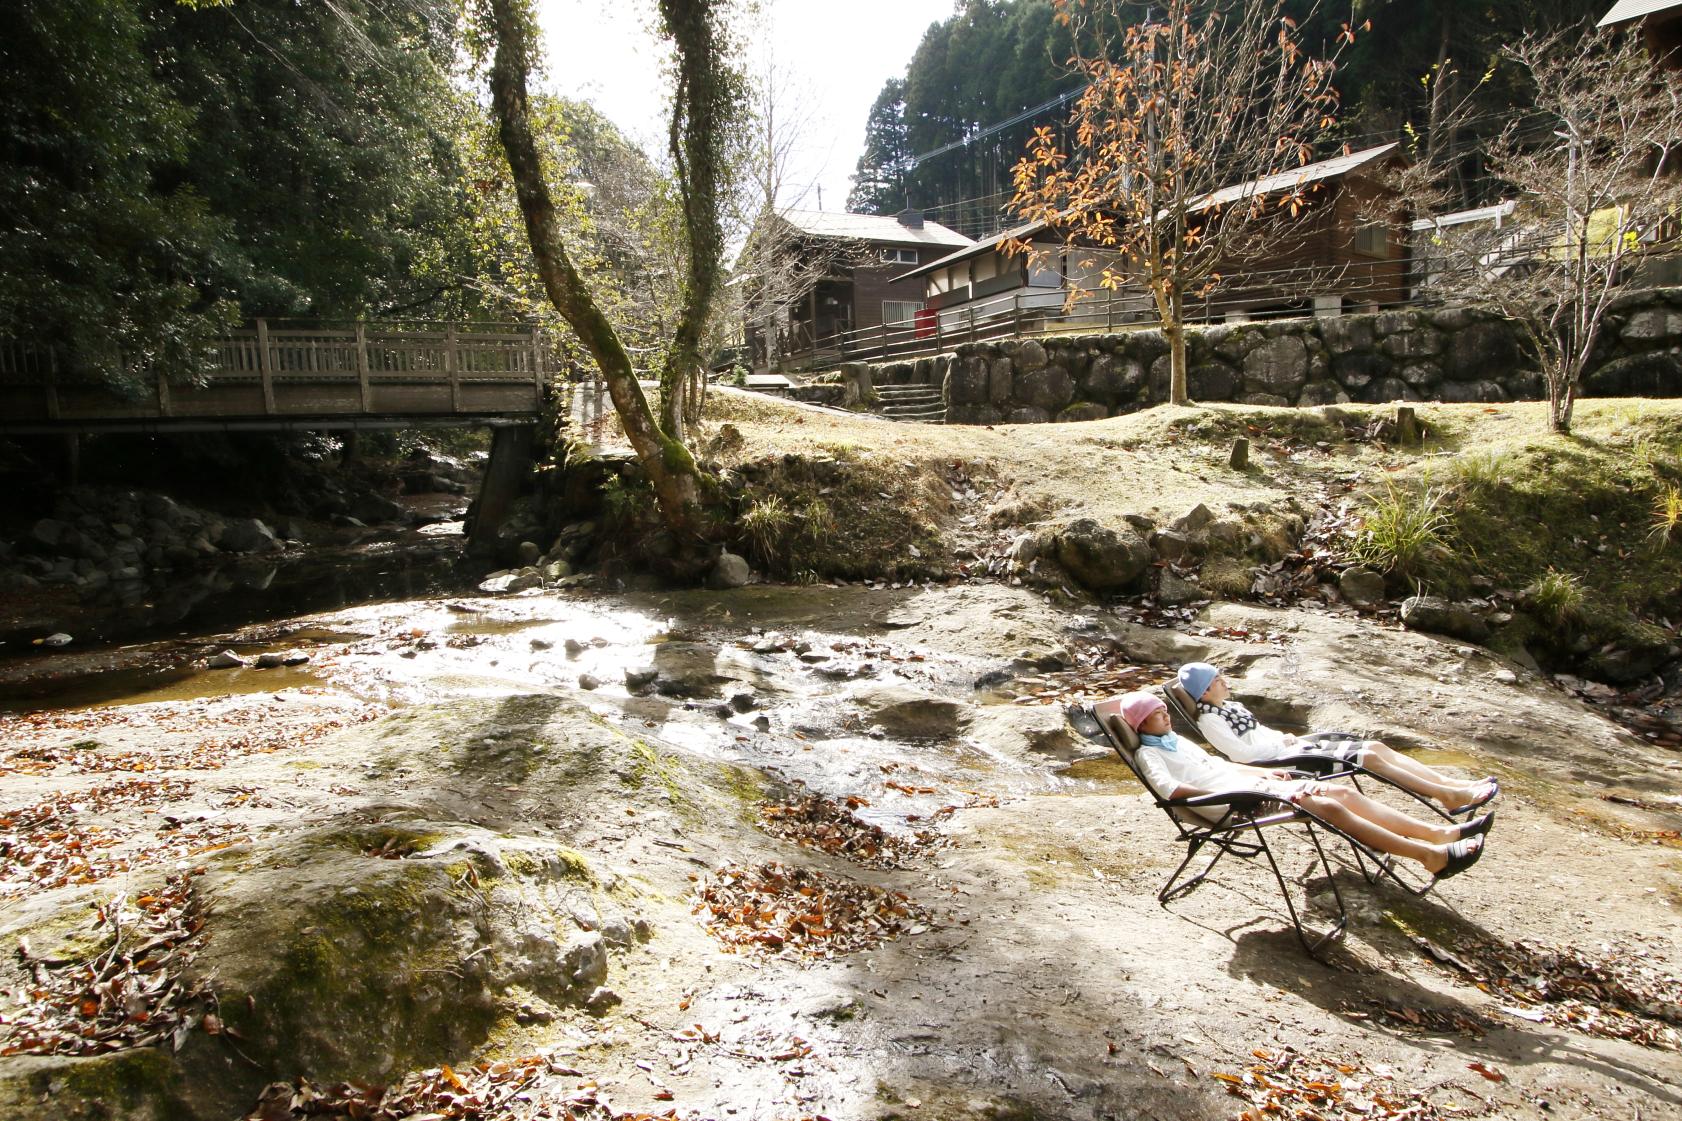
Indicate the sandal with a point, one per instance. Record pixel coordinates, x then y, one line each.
1461 856
1489 796
1476 827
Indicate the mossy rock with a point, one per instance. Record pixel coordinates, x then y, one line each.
333 964
143 1084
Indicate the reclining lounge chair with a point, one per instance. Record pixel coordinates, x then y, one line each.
1184 710
1240 830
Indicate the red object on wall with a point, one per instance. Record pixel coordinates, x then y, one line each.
926 322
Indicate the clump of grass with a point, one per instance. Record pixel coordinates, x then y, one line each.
1483 471
1403 530
1557 598
766 523
1667 516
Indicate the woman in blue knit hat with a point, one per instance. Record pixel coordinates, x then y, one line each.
1232 730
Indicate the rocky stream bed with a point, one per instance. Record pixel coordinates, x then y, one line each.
791 852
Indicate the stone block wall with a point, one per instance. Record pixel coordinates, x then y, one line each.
1416 354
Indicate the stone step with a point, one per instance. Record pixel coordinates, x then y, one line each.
915 414
894 392
919 399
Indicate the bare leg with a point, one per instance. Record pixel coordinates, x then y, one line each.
1417 777
1378 826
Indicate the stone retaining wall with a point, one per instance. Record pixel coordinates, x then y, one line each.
1442 354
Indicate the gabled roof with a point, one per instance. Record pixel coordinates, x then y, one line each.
1284 180
1297 177
871 227
1626 10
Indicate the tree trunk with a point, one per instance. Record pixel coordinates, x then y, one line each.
671 469
704 102
1562 400
1170 309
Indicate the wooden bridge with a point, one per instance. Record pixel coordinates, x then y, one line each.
267 378
263 377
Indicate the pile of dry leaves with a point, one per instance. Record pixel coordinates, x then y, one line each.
1287 1084
52 843
132 994
530 1088
1621 993
524 1089
815 822
797 912
213 732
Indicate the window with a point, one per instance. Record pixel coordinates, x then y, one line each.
898 256
900 311
1372 241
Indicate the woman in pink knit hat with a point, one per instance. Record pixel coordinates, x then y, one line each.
1177 768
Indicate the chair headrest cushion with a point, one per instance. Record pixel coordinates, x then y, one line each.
1109 715
1182 699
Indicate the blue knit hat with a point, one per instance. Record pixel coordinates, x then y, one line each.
1195 678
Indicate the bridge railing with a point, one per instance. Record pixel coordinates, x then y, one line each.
281 371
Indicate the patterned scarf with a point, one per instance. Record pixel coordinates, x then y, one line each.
1237 717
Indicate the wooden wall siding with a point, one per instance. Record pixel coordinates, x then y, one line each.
874 283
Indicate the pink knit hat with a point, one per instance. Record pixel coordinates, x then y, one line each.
1137 707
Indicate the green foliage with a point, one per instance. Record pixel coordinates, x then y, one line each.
1667 516
1558 598
766 524
986 62
1403 530
1482 471
992 60
172 167
626 502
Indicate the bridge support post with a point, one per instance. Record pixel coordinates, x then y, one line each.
512 449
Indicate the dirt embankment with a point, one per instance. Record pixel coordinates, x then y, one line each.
797 852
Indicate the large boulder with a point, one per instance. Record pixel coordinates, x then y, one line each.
1000 382
1083 410
1031 734
1027 354
1278 366
1484 350
1355 371
1361 587
688 669
906 713
1212 381
1413 345
331 962
1322 393
1638 374
1436 615
1455 392
973 414
248 535
1103 558
729 571
1654 323
1047 387
967 383
1347 334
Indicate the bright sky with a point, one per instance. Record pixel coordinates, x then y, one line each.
832 58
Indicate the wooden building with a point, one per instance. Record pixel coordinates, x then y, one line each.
841 277
1336 258
1661 26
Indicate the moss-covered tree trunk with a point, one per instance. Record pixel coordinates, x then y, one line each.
672 471
708 94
